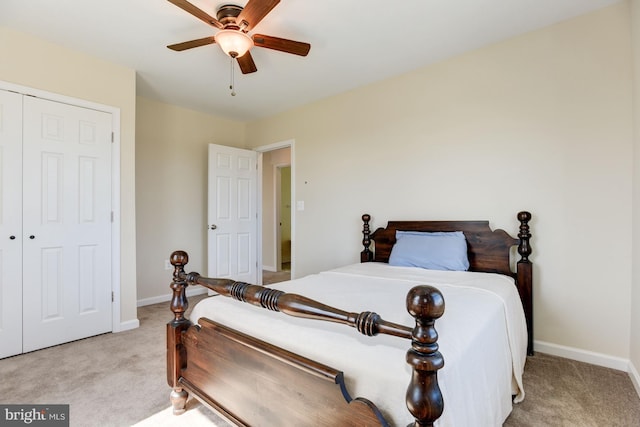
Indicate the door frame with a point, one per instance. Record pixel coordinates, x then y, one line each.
116 324
290 143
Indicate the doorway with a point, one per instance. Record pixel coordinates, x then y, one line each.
283 217
277 225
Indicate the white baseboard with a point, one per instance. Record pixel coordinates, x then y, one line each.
593 358
269 268
580 355
635 378
167 297
128 325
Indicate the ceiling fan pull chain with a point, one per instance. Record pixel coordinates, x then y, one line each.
232 83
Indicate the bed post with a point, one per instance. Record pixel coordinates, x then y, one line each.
176 357
366 255
424 398
525 275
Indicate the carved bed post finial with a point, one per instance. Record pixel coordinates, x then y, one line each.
523 248
366 255
179 303
424 398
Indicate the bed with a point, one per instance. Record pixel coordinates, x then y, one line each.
257 367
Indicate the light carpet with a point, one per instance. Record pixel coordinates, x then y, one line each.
195 416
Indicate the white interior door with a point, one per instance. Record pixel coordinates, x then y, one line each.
67 223
10 223
232 213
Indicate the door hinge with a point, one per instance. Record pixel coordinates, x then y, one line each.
112 296
111 216
112 137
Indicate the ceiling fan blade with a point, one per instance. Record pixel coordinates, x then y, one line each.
254 12
178 47
198 13
283 45
246 63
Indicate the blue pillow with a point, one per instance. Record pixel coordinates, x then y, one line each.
434 251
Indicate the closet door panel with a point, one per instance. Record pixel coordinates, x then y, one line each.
10 223
67 223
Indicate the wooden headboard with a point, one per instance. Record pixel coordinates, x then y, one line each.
489 251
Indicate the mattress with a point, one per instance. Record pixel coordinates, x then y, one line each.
482 337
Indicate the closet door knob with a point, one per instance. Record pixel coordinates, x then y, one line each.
32 237
12 237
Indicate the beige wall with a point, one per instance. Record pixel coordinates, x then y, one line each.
540 122
35 63
171 182
635 297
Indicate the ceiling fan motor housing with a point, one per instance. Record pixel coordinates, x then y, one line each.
228 13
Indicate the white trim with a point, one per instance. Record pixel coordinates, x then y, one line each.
128 325
635 378
275 146
116 325
591 357
259 218
115 227
290 143
167 297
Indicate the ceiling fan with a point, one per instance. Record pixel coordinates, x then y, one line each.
234 23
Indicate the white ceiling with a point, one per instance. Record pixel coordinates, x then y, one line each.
353 43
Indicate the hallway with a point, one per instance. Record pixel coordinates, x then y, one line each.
270 277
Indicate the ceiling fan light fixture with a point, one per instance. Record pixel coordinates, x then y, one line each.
234 43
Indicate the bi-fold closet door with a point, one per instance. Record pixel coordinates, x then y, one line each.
55 223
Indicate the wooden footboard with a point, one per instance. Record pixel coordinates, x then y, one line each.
251 382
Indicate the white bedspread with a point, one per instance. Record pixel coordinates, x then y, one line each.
482 337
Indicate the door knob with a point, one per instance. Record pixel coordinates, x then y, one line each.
213 226
32 237
12 237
